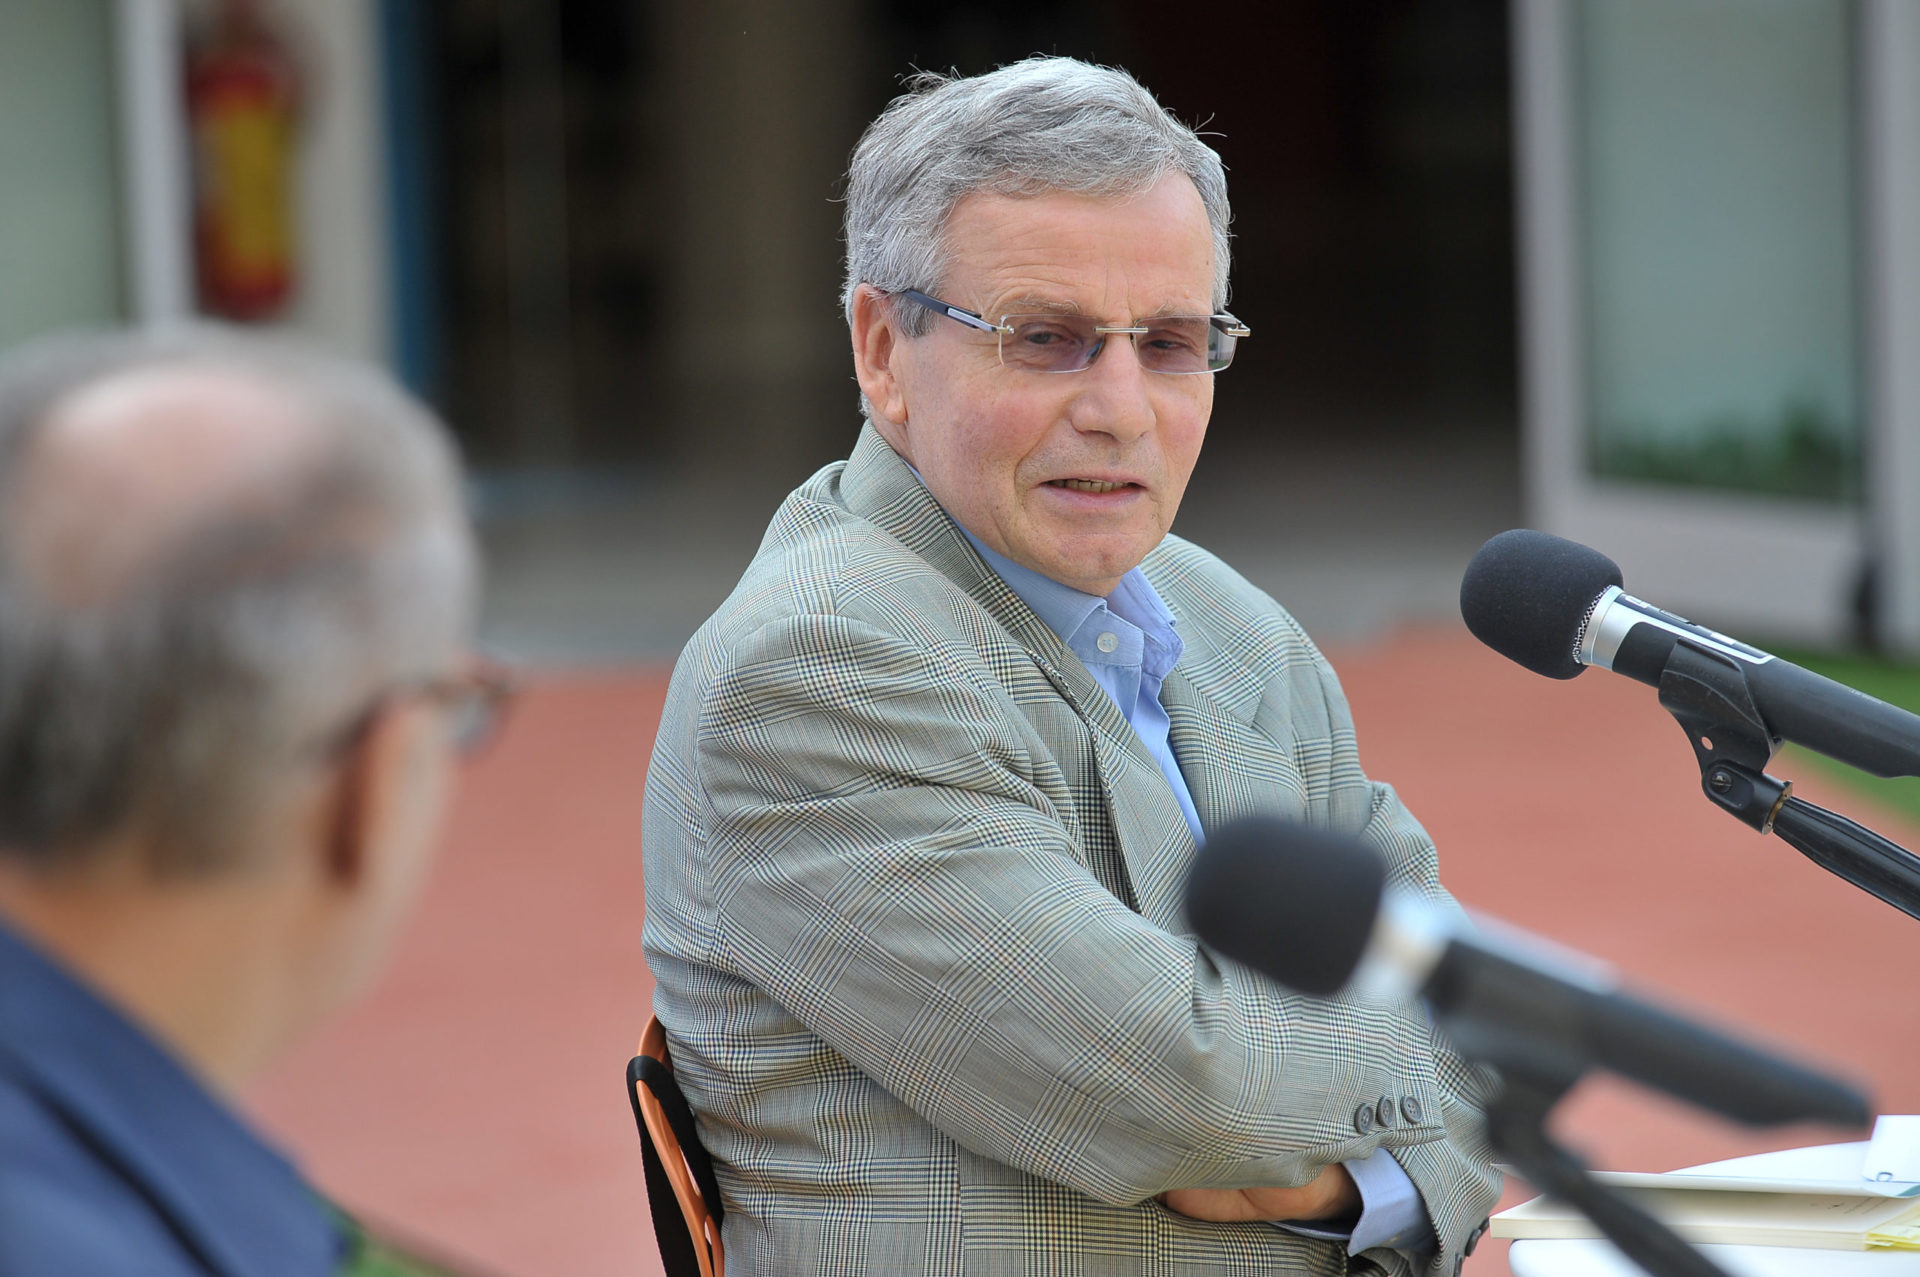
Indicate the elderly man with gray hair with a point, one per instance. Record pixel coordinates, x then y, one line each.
236 591
928 784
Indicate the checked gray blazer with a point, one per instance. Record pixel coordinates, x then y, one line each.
913 909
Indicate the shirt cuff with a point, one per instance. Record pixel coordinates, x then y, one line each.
1391 1210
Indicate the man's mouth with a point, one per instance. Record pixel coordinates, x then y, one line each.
1088 485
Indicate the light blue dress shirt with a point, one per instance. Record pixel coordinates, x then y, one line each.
1128 643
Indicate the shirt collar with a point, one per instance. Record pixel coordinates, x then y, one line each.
1080 618
1136 600
240 1203
1064 609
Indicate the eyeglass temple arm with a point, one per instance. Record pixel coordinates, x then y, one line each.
939 307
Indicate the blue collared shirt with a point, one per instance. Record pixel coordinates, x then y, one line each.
114 1160
1128 643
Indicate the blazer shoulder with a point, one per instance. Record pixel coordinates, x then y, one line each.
819 558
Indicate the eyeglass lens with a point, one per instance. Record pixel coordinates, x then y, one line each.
1069 343
474 706
470 721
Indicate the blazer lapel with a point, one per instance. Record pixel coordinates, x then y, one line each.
1232 769
878 485
1154 844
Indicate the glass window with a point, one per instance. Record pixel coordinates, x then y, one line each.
60 232
1718 201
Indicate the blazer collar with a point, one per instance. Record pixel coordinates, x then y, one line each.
878 485
1154 839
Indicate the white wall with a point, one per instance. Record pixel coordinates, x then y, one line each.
344 297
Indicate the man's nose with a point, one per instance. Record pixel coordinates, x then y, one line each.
1113 396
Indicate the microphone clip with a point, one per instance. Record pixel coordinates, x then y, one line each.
1707 694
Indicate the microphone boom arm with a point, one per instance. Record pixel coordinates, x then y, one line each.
1708 695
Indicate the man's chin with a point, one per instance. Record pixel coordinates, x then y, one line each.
1098 569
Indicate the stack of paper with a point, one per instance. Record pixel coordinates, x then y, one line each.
1815 1206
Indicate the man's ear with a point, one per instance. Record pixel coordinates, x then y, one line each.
876 343
367 788
382 817
347 844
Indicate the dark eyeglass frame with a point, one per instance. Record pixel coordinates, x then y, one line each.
1230 326
474 698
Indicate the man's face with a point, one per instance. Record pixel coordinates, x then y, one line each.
1026 461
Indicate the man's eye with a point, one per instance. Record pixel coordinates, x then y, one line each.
1173 339
1038 335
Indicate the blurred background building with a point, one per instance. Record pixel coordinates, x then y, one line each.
602 236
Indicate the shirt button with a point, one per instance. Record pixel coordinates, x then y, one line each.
1363 1119
1107 642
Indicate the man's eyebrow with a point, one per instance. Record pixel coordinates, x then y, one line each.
1038 306
1053 306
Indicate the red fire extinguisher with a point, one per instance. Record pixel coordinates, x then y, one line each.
243 98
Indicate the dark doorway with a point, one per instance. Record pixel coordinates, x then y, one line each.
1367 143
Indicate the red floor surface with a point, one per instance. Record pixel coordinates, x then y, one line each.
476 1098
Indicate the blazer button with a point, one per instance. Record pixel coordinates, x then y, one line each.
1410 1108
1363 1119
1383 1111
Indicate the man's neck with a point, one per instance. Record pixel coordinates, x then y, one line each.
185 961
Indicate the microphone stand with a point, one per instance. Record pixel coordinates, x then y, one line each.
1708 695
1534 1075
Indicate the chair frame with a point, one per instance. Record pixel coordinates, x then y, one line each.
677 1164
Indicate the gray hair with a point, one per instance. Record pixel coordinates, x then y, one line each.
176 707
1044 124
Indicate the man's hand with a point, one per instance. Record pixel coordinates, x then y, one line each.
1330 1195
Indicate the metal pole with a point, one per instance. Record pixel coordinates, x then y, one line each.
1890 121
1553 394
154 163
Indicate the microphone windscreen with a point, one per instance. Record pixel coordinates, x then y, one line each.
1526 594
1288 900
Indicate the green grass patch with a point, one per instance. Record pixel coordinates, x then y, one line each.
1800 450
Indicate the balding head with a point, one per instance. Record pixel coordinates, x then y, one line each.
213 551
172 451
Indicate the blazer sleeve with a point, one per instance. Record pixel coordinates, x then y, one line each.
888 857
1455 1176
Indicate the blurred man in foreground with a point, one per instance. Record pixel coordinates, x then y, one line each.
236 591
927 786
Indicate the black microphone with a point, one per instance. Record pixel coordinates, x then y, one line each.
1312 910
1556 607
